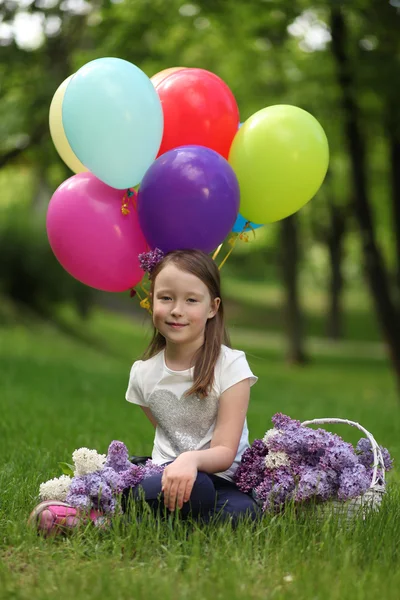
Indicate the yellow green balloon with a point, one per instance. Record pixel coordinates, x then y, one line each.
57 130
280 156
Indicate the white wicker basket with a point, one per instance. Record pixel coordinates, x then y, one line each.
372 498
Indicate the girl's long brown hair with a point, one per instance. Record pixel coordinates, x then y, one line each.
202 266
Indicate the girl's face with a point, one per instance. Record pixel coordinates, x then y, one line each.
182 306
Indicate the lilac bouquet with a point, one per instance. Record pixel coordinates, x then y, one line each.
95 480
296 463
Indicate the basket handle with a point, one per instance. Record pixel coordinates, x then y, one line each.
378 458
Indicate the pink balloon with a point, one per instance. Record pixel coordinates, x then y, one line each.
91 237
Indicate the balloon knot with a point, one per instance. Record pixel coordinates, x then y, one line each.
129 196
232 239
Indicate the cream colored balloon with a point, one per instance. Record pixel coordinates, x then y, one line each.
57 130
159 77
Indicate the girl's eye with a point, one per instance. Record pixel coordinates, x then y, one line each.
192 300
165 298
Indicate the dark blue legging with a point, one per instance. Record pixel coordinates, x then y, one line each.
211 496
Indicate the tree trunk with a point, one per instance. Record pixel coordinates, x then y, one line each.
335 248
394 141
292 310
374 266
43 194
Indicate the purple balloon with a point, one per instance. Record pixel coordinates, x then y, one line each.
188 198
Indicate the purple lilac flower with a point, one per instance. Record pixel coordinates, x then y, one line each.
112 478
263 490
151 468
248 476
102 499
117 457
81 501
315 482
276 489
299 441
281 421
131 476
78 486
94 482
340 455
353 482
149 260
284 485
366 455
99 493
252 468
306 446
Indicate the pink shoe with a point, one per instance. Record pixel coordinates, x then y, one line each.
52 517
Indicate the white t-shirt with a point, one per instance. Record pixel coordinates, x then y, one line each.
186 423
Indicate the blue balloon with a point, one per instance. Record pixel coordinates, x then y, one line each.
241 222
113 120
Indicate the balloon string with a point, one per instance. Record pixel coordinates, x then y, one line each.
144 301
146 292
217 251
233 241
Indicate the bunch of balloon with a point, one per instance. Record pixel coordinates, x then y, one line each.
201 174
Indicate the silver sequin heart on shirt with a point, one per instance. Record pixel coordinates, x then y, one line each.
186 420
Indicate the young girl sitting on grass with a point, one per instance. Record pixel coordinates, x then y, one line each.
195 391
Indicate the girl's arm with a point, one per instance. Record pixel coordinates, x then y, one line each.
149 415
179 477
224 445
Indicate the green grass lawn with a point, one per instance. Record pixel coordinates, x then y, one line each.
61 390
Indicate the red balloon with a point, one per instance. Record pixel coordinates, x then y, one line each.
200 109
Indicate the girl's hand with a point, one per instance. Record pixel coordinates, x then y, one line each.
178 480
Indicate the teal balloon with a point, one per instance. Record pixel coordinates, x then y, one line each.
241 222
113 120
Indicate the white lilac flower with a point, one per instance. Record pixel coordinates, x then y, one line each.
270 434
55 489
87 461
273 460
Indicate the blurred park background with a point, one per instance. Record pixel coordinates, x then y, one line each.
326 280
314 300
